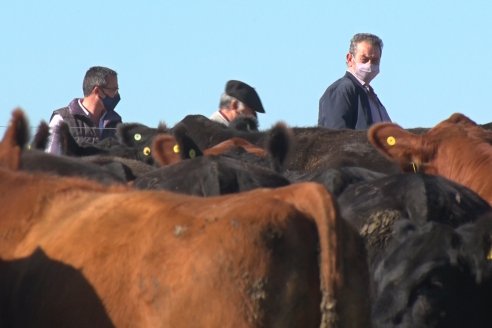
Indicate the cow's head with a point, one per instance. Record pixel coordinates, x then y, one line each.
433 150
139 137
402 146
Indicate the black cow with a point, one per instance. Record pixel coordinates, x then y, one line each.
36 160
133 141
273 154
188 171
433 276
24 302
210 176
313 147
335 180
373 206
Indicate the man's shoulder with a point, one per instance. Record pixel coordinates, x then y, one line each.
66 110
217 117
61 110
343 86
345 82
60 113
113 116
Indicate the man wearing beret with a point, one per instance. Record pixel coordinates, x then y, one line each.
238 99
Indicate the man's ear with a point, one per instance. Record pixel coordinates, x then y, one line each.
348 59
234 104
97 91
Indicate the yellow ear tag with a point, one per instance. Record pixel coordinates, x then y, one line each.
192 153
489 255
137 137
146 151
391 141
176 149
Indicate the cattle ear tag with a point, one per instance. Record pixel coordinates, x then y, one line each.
489 255
146 151
176 149
137 137
192 153
391 140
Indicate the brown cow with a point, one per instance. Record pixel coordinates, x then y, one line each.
456 148
265 258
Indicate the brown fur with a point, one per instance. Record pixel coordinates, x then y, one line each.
162 259
226 145
456 148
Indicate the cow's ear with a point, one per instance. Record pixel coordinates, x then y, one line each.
165 149
394 142
14 140
41 136
130 134
187 146
280 144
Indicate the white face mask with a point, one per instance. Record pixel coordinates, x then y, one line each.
366 71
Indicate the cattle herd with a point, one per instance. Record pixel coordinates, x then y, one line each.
203 225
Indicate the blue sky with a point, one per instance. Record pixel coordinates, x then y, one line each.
173 57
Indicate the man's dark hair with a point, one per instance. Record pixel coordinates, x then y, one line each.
96 76
374 40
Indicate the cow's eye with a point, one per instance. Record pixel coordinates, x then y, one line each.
146 151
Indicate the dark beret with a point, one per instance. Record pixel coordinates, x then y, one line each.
245 94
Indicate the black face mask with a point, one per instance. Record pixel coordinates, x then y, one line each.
110 103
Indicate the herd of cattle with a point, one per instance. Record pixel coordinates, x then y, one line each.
203 225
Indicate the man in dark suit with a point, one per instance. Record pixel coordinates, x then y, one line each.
350 102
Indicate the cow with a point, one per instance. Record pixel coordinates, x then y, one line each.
266 258
273 154
33 159
335 180
373 206
456 148
313 148
133 141
210 176
109 153
435 276
231 166
22 305
137 161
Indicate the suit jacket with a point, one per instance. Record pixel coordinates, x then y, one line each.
345 104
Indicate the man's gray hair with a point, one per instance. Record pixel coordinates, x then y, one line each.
96 76
225 100
374 40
